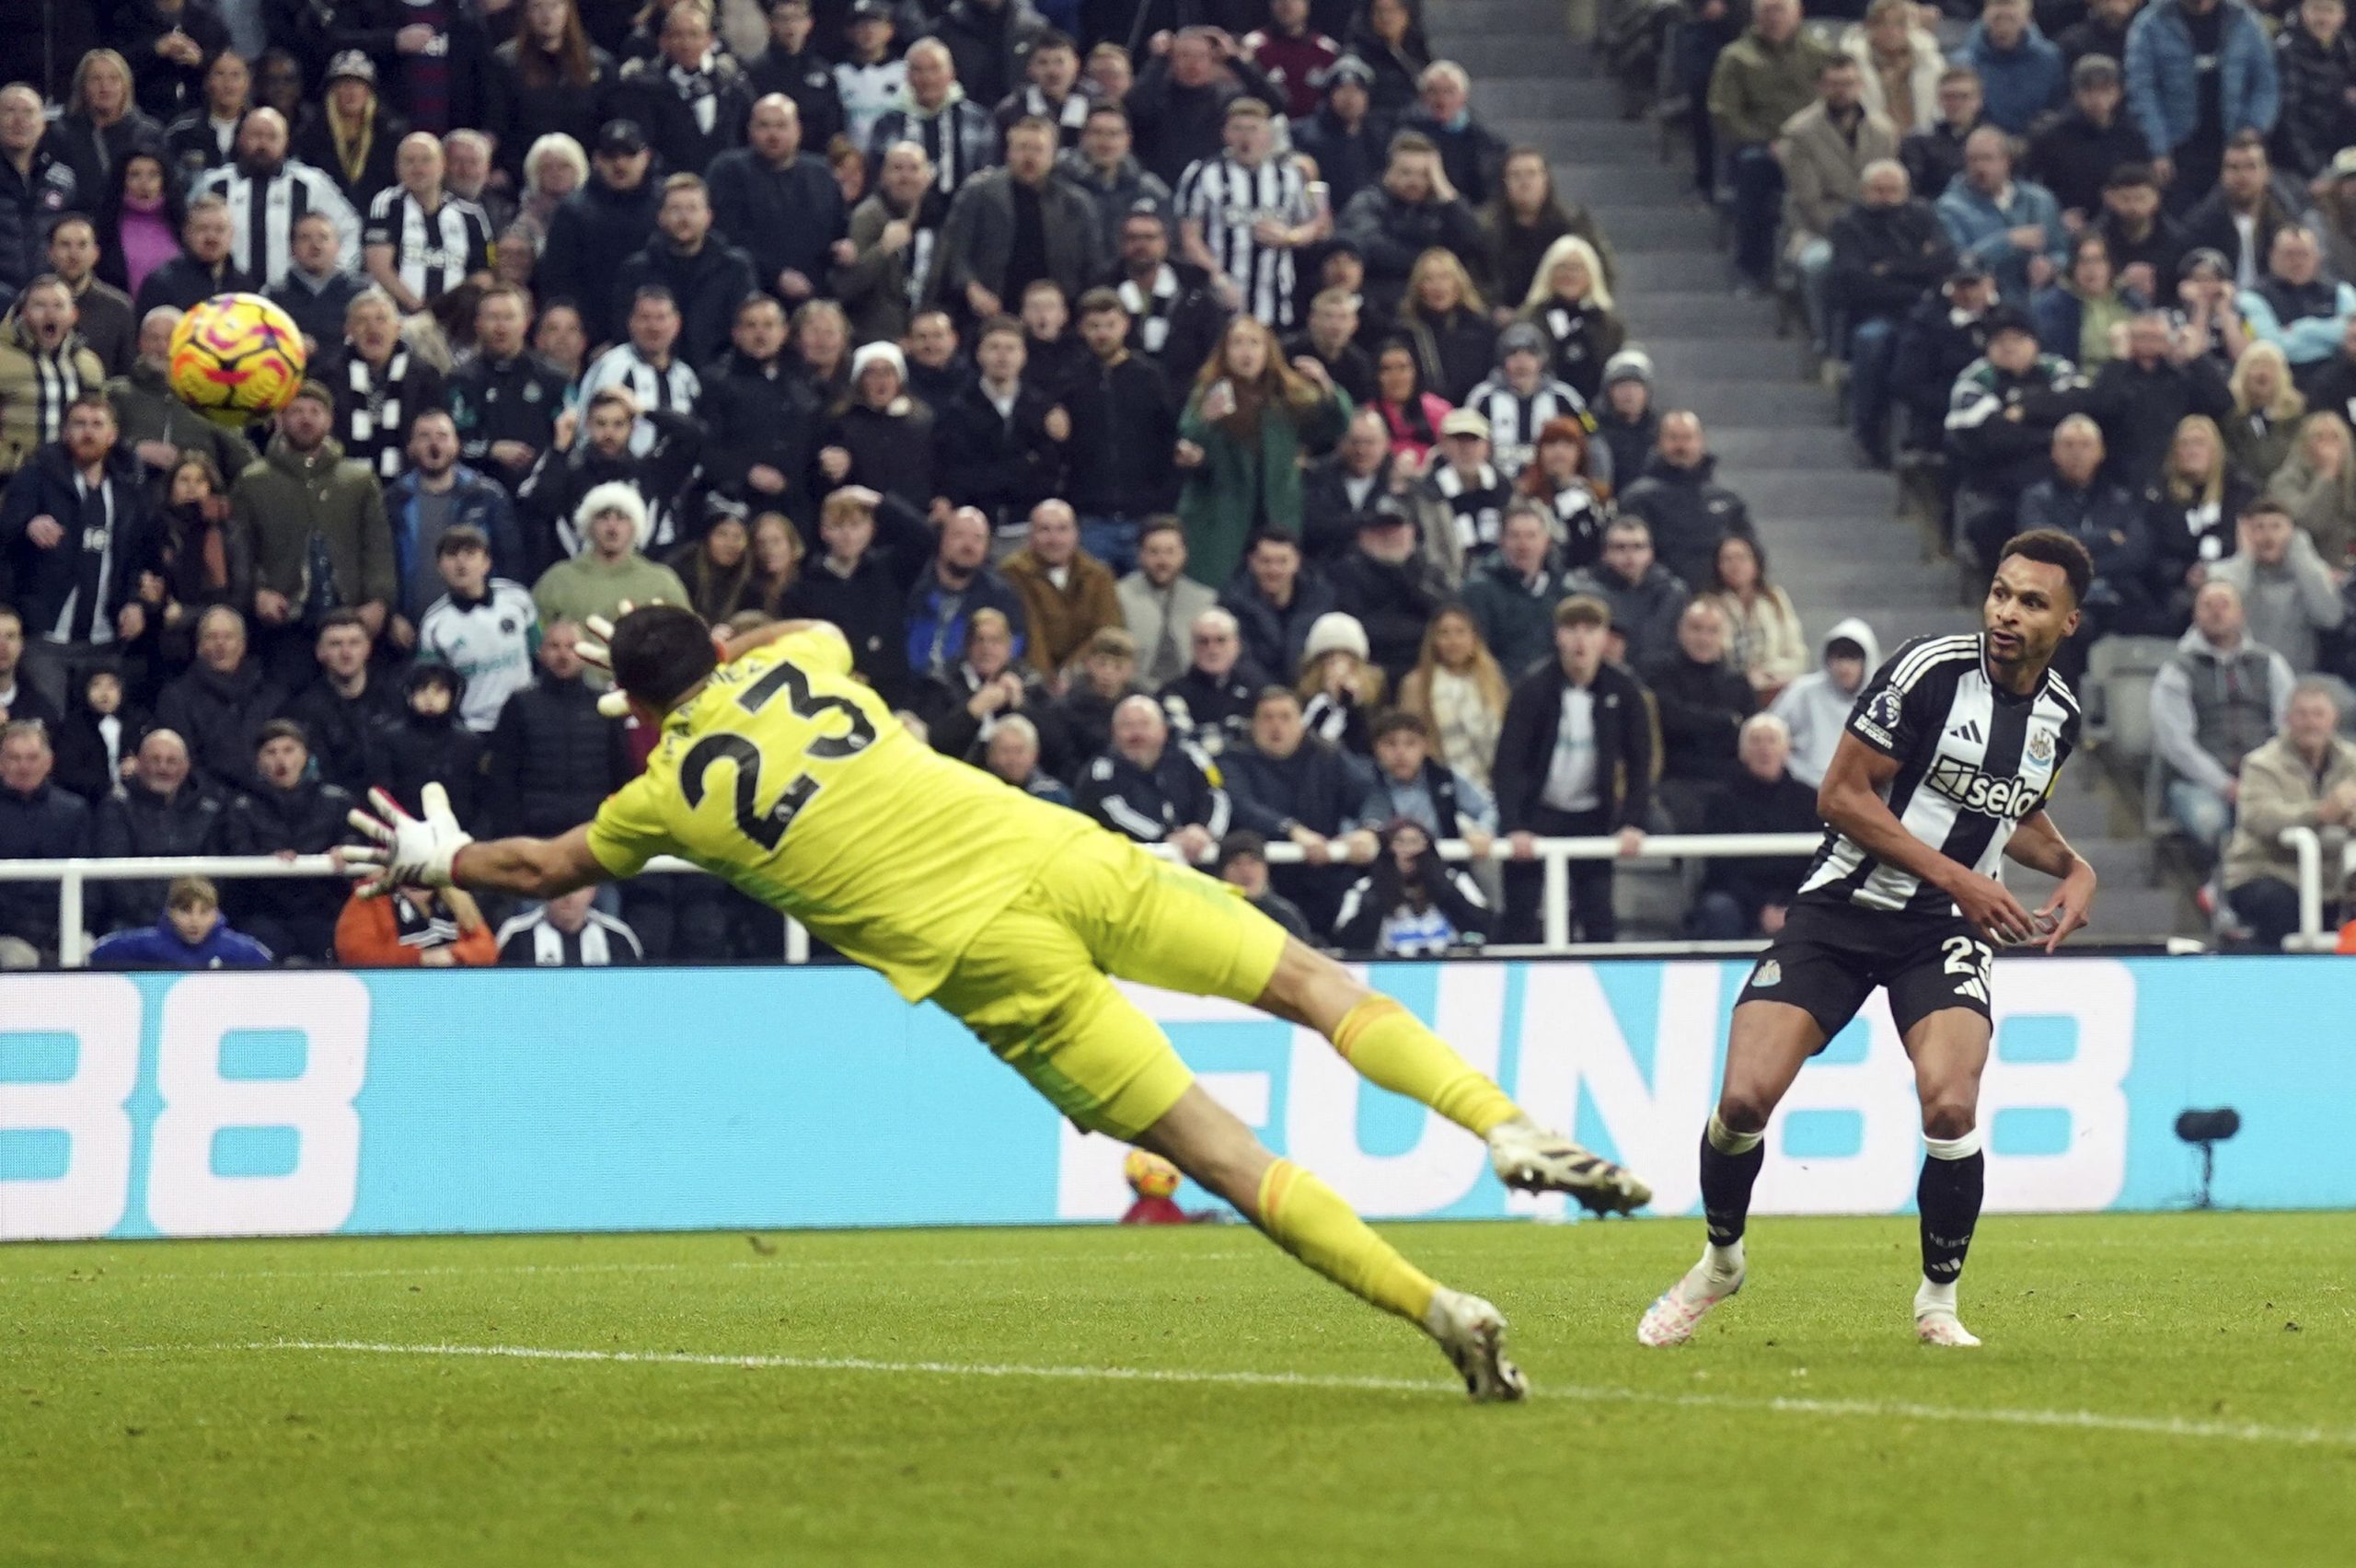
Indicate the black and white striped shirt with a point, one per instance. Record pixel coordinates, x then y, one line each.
1225 198
1974 761
675 386
263 216
1477 503
432 253
600 941
1515 418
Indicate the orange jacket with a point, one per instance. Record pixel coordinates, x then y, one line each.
369 936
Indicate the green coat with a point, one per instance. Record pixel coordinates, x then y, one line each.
1757 86
282 499
1217 504
145 408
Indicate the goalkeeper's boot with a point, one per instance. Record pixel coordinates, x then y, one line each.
1473 1332
1529 1158
1673 1318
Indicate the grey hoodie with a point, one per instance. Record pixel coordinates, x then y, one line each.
2286 606
1816 709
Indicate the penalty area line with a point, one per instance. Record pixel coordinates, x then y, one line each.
1871 1410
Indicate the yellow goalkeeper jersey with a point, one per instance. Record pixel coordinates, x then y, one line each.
791 779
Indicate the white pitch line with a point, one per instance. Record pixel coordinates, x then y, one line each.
199 1276
1876 1410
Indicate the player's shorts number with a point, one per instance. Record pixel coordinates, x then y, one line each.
1972 961
766 828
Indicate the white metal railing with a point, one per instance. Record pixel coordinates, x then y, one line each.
2307 844
1555 855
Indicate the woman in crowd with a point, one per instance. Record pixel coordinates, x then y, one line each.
1411 413
1386 37
1250 419
881 437
102 125
2266 413
553 169
1523 221
191 562
1340 688
1559 481
1460 693
2192 510
1763 637
2317 482
550 81
1447 321
849 165
1569 301
822 345
1411 904
139 219
717 568
776 564
1898 67
2082 315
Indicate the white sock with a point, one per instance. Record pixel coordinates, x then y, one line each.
1932 1297
1725 1262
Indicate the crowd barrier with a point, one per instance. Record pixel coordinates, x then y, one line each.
398 1102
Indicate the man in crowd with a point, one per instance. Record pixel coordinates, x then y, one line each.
1243 214
1275 599
1935 156
1393 589
570 932
1681 500
317 291
1412 210
798 69
2011 226
2102 514
1645 599
1890 252
1012 755
691 97
1361 476
1702 702
419 241
648 364
381 384
859 582
2305 776
611 216
2146 242
999 446
435 494
2000 427
1176 320
1152 789
2199 75
36 187
1124 423
2073 153
205 266
961 705
1342 132
1104 167
311 523
960 581
1943 335
2221 698
2020 68
1521 398
506 401
2289 596
159 811
39 821
1575 760
77 530
484 628
1068 594
1009 227
1761 81
19 698
1160 602
551 757
1178 104
102 313
348 715
1466 490
1473 155
220 704
1745 896
1291 784
935 112
706 277
1049 91
1331 339
1211 703
1512 595
1824 151
612 519
267 192
2296 307
2240 217
895 236
778 202
1105 677
43 367
2141 396
760 419
288 810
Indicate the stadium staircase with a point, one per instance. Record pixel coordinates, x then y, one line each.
1829 523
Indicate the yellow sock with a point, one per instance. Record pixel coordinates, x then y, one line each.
1390 1046
1309 1220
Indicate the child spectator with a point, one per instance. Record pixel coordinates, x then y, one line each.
191 935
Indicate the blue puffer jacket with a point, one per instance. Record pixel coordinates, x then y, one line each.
2018 84
2163 90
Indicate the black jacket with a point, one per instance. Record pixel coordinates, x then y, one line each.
988 44
46 578
370 25
759 414
29 207
495 400
2315 120
139 823
870 605
314 143
1005 466
1124 435
221 718
351 737
708 286
1275 639
1329 523
589 233
165 87
1176 125
2162 249
1690 514
437 750
1885 259
890 452
1746 805
1347 160
1395 601
522 113
1215 712
1083 721
1627 746
1380 894
783 217
1934 158
1933 349
2071 155
309 819
2211 225
51 824
1316 787
319 312
183 282
952 729
1389 234
1701 707
91 153
805 79
84 763
551 760
643 92
2139 411
1182 789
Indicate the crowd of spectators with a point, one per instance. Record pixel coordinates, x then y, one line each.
1193 412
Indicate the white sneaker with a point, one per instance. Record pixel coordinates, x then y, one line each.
1941 1326
1473 1332
1673 1318
1529 1158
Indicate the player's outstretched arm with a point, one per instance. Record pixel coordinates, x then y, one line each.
433 850
2038 845
1851 801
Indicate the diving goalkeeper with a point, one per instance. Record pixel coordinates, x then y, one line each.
781 772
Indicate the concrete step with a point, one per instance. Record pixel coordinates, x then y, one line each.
1532 95
1741 448
1689 226
1588 144
1830 493
1633 185
1682 268
1479 18
1773 361
1740 403
1700 315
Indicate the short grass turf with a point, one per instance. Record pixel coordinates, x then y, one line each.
2154 1389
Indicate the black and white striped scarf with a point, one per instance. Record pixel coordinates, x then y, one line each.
1151 311
372 429
56 383
695 90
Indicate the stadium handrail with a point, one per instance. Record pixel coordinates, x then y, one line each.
2307 844
1554 854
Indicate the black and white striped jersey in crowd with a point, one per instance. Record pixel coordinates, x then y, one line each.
262 215
432 253
1515 417
1225 200
601 942
1975 760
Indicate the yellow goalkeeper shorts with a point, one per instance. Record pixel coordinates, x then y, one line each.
1036 985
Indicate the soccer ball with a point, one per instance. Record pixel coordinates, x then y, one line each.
236 357
1150 1175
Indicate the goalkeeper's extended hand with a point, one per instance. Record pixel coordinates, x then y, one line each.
595 647
409 851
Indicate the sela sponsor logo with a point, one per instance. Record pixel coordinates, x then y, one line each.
1976 791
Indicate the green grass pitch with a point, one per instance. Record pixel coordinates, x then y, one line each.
2176 1388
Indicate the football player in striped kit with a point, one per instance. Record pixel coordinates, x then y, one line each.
1950 755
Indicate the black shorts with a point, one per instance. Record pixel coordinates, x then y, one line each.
1829 959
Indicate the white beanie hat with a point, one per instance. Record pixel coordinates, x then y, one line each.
612 496
868 353
1334 632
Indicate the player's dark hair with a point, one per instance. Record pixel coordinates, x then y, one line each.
2054 547
659 650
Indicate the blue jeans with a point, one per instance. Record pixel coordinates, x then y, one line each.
1112 540
1814 265
2205 815
1758 209
1873 348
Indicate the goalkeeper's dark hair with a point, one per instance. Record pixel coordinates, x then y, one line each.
660 650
